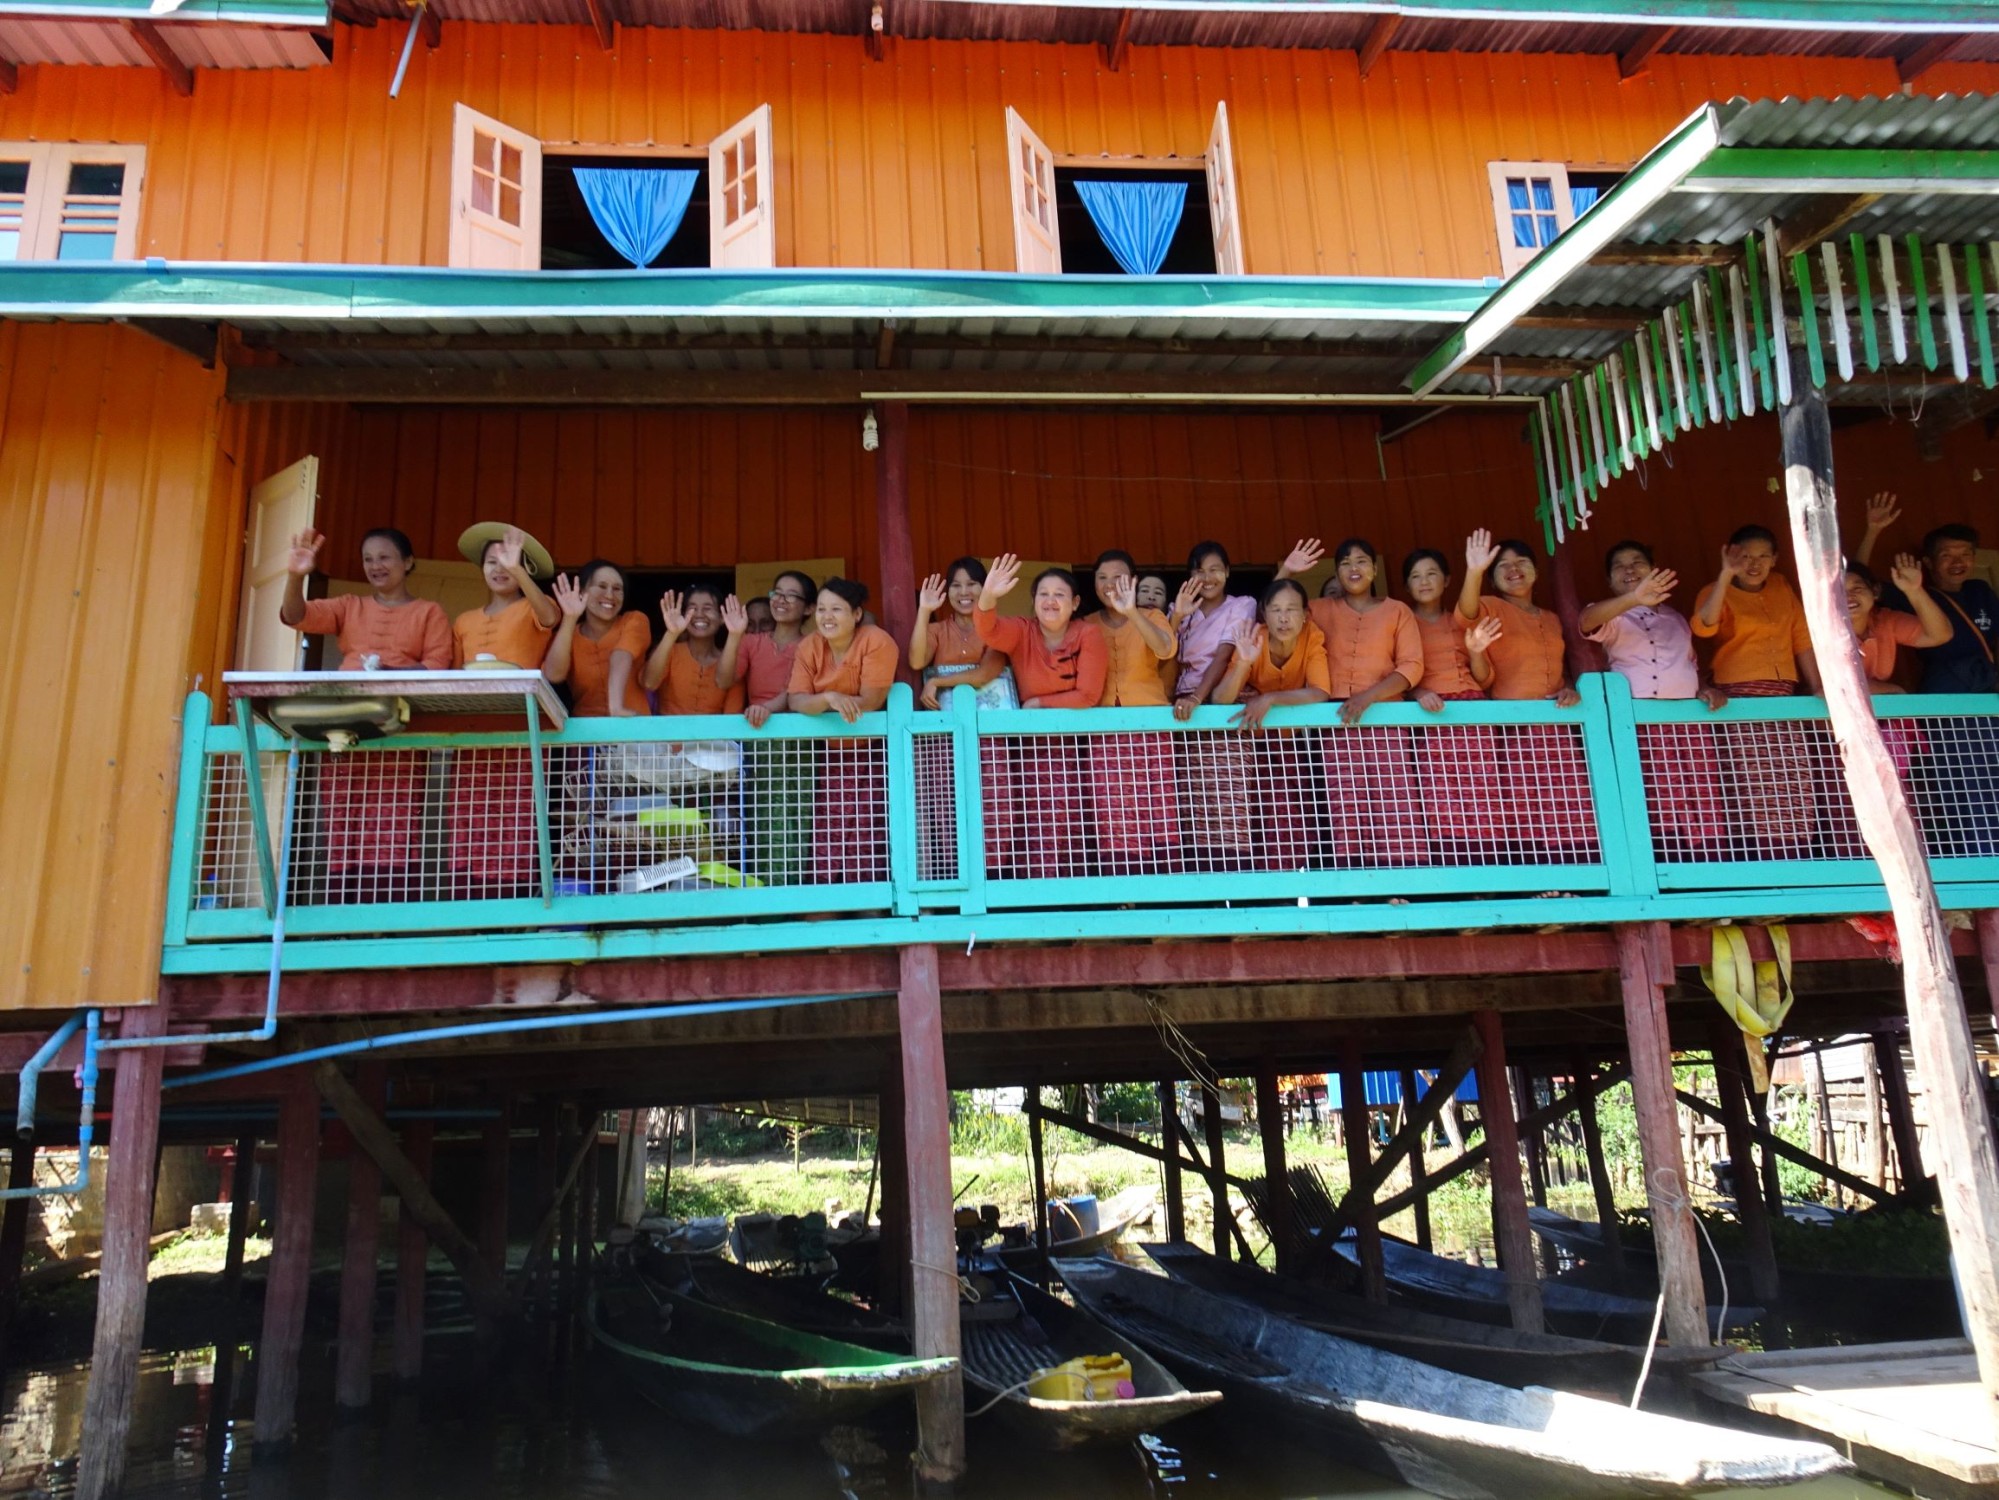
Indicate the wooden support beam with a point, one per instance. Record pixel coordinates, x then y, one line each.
1118 44
565 1220
1901 1110
162 56
1586 319
242 1189
1988 952
14 1237
290 1266
1626 254
534 1281
1644 964
432 26
412 1255
1600 1184
1379 35
1919 59
196 339
1358 1204
1522 1085
1731 1081
10 76
495 1143
893 537
113 1386
1946 1059
1270 1131
1037 1163
354 1366
349 14
892 1275
485 1290
933 1305
558 1193
885 345
1421 1115
1218 1177
1169 1146
1137 1145
1512 1238
875 38
1776 1143
1820 220
1234 1229
1636 58
603 21
1419 1186
632 1179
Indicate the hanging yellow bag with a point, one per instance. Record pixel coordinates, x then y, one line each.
1756 995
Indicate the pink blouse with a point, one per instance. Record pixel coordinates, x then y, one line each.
1202 637
1653 650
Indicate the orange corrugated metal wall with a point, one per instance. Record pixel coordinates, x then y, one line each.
897 163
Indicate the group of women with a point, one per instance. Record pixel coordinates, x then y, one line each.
1351 796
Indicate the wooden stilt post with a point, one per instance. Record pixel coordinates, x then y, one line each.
1901 1110
495 1139
892 1275
1218 1179
412 1250
896 548
1037 1164
590 1197
1988 953
1732 1084
1419 1184
1169 1142
1875 1165
632 1167
1510 1233
14 1236
1360 1155
290 1265
547 1152
242 1190
933 1259
1643 956
1521 1082
1276 1185
354 1368
1939 1034
1599 1171
1766 1163
121 1276
565 1228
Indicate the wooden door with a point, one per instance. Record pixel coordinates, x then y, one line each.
1223 215
742 225
1030 165
280 506
495 195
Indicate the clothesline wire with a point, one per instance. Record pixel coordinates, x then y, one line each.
1237 481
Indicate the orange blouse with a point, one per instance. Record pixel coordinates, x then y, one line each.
1528 658
1887 629
689 686
1758 636
405 636
1306 668
590 666
952 647
1364 646
1446 663
763 667
1132 674
1069 674
869 663
513 636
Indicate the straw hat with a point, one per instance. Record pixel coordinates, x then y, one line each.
473 541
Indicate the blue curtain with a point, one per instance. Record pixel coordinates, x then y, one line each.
1136 219
637 208
1581 199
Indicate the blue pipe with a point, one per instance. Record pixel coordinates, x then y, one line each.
31 1075
85 1119
497 1028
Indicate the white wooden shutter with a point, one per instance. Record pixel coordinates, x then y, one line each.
1531 203
495 195
1223 215
279 507
1030 168
742 223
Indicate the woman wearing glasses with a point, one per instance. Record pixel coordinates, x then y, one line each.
781 772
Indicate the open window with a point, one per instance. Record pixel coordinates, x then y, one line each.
1135 215
1534 201
522 204
69 202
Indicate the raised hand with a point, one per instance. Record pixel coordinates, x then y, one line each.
1123 597
1002 576
1480 550
1304 556
735 618
1907 574
568 597
1731 563
1482 633
932 595
303 556
1883 511
1657 587
671 614
1187 600
508 549
1248 637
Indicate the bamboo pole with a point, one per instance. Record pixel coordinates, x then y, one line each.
1270 1129
1359 1201
1218 1177
1600 1184
1169 1147
1732 1084
1418 1184
1510 1232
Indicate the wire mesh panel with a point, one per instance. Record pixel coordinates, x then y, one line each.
228 876
1364 798
936 807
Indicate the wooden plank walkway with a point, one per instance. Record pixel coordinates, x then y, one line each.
1911 1413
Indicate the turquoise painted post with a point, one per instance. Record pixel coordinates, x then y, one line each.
190 816
1634 870
543 853
968 788
253 793
901 749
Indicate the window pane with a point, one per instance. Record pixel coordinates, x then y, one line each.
1516 192
485 150
13 177
73 246
1549 229
1544 193
510 162
10 244
510 204
97 179
482 193
1523 231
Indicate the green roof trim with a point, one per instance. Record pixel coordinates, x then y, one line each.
157 289
228 12
1803 15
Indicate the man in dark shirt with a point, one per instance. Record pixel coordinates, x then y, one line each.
1966 662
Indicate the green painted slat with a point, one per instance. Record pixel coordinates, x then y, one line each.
1722 331
1981 323
1766 382
1544 505
1614 442
1808 314
1863 294
1828 166
1662 380
1920 285
1634 399
1587 493
1690 358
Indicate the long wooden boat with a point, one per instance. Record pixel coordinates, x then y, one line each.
1442 1432
1483 1350
741 1374
1132 1206
796 1302
1000 1353
1460 1290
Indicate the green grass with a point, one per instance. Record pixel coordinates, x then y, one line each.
200 1253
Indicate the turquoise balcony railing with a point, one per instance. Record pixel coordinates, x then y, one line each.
676 836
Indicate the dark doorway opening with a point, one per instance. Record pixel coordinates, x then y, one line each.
1084 252
571 240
